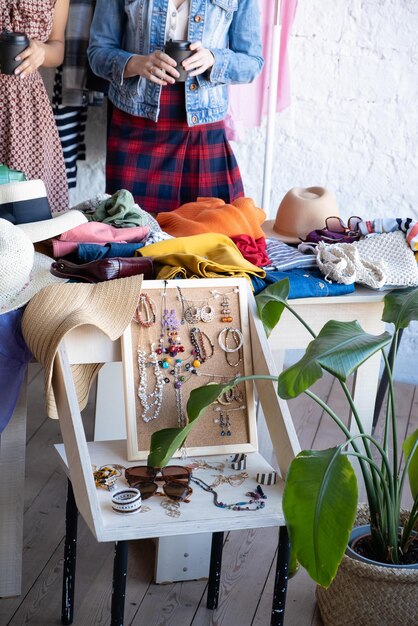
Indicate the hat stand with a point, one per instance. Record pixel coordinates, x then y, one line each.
271 111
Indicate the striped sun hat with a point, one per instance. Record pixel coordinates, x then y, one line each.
26 205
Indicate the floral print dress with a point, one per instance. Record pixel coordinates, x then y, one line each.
28 135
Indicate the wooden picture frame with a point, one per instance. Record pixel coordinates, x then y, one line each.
211 317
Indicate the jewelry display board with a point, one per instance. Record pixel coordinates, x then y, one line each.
186 334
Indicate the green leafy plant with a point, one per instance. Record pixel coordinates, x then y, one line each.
321 491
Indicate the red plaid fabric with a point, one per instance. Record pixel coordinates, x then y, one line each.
167 163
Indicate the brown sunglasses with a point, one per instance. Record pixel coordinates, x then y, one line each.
176 481
336 225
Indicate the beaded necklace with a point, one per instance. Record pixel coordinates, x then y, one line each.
256 498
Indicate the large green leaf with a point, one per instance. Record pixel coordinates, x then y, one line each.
340 348
401 307
407 447
319 504
270 303
165 442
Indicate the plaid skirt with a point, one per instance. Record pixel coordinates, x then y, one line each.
167 163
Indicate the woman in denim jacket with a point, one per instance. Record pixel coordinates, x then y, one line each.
167 140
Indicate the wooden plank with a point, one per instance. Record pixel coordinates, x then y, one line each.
94 606
246 562
43 532
300 601
12 475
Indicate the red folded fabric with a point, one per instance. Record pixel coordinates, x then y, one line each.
254 250
213 215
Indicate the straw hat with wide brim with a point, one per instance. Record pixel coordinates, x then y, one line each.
54 226
109 306
23 272
302 210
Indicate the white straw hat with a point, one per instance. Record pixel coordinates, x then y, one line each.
54 226
23 272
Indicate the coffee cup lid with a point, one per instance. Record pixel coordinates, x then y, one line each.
10 37
177 44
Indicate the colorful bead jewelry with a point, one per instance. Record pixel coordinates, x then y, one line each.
225 310
236 506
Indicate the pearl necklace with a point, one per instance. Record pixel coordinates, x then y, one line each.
153 400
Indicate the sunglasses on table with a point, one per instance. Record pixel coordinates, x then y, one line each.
336 225
176 481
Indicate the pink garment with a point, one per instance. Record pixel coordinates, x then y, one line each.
248 103
96 232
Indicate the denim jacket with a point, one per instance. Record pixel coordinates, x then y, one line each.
230 29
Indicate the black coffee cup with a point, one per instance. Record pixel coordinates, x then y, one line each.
10 46
178 50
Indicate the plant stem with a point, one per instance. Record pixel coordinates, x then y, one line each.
300 319
372 490
391 400
343 427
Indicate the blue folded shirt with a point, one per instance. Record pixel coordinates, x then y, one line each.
303 283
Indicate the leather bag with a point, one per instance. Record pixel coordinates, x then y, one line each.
104 269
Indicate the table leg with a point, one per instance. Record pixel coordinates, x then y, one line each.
280 581
120 569
215 570
70 554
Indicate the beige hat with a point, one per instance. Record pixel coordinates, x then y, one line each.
23 272
54 226
110 306
301 211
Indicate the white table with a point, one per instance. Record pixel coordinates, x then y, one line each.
364 305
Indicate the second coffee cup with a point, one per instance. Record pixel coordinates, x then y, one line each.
179 50
11 44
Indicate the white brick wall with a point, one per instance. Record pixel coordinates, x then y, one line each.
353 122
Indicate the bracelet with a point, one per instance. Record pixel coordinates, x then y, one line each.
239 462
145 314
267 478
237 337
126 501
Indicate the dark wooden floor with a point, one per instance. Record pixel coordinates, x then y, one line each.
248 560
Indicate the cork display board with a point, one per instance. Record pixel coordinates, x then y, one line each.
187 334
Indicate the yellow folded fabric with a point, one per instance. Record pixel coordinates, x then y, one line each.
208 255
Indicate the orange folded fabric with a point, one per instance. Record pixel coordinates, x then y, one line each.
213 215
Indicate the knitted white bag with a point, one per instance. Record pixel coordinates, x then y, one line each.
376 261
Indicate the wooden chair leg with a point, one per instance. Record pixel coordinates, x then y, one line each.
215 570
70 552
280 581
120 568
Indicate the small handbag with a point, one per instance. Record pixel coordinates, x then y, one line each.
8 175
104 269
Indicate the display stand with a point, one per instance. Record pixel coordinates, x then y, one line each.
200 515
